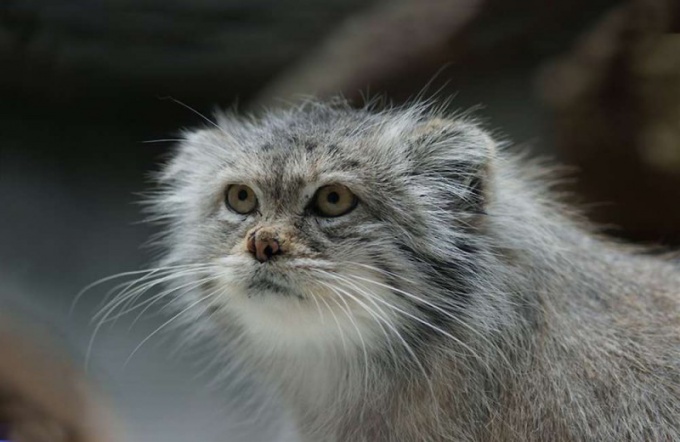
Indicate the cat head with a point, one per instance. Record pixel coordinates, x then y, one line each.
326 224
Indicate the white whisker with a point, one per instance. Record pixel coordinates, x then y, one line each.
349 315
151 301
166 323
337 323
438 309
129 294
369 297
412 316
162 275
116 276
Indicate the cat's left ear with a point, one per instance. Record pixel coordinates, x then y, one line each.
456 158
196 151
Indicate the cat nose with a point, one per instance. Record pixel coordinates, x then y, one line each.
263 244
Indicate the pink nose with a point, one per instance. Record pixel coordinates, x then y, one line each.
263 245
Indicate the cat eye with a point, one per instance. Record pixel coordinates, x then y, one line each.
334 200
241 199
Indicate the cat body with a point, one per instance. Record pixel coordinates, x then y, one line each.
394 276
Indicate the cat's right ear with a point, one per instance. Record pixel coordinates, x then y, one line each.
458 155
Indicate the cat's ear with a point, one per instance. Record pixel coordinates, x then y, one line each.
457 158
194 149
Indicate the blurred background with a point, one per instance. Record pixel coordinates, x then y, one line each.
84 84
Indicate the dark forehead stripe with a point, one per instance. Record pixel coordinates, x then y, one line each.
351 164
333 149
300 142
310 145
283 172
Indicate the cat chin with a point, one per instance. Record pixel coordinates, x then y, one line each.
289 322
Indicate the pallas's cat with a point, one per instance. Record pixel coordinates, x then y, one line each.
395 276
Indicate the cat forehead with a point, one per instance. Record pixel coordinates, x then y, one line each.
299 162
304 145
331 142
301 147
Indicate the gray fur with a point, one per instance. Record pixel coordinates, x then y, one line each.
458 301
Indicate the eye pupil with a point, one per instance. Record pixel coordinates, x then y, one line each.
241 199
333 197
334 200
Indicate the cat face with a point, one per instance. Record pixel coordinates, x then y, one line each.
325 224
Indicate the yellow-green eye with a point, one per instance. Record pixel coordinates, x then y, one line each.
334 200
241 199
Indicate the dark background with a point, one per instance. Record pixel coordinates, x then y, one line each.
83 85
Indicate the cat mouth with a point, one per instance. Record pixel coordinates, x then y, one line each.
268 284
291 277
265 281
